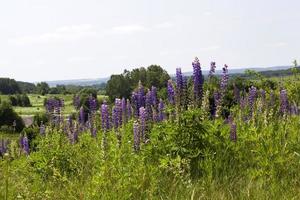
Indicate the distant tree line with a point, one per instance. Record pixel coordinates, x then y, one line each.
10 86
121 85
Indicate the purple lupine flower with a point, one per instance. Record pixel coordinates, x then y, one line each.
243 102
117 114
252 98
124 109
179 83
198 80
154 96
42 129
141 95
129 109
236 93
161 107
233 135
76 102
25 145
212 69
224 79
92 104
105 117
294 110
272 99
217 102
148 107
184 92
3 146
171 92
143 122
81 115
135 102
284 103
136 135
263 96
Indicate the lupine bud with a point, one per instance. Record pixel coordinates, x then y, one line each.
25 145
198 81
105 117
212 69
81 115
42 129
179 83
141 95
171 93
117 114
233 135
252 98
161 107
284 103
135 102
92 104
148 103
224 79
143 122
136 135
154 96
124 110
236 93
129 109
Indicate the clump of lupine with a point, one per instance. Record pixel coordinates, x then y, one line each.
54 108
146 107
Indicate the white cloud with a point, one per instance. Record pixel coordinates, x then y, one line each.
278 44
129 29
210 48
207 13
164 25
75 60
61 34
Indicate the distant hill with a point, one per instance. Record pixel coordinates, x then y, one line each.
90 82
78 82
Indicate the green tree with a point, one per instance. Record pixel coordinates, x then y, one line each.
8 116
43 88
118 86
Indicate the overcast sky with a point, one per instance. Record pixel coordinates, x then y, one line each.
70 39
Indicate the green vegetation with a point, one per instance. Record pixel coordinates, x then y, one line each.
240 140
122 85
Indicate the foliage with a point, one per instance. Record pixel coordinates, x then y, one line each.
8 116
9 86
20 100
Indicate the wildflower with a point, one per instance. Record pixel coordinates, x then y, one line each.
136 135
129 109
105 117
92 104
252 98
233 135
161 107
198 80
154 96
212 69
171 93
25 144
81 115
142 117
117 114
42 128
284 103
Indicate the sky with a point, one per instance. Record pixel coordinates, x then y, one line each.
70 39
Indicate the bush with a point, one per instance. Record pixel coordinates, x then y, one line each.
8 116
